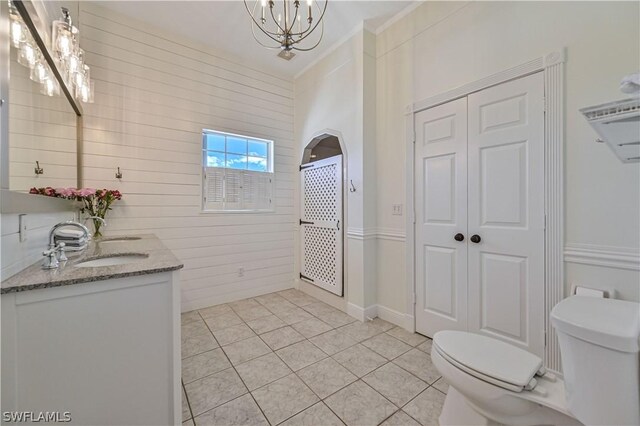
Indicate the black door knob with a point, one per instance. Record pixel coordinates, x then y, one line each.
459 237
475 238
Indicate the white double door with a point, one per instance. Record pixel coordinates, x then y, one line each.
479 196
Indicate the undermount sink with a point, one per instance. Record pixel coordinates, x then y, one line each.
117 239
115 259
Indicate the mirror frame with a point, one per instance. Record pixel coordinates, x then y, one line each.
13 201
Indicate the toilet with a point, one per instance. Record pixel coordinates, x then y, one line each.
493 382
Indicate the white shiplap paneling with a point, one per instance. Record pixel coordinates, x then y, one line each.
154 94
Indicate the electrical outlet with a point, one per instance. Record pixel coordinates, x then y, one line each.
397 209
241 272
22 224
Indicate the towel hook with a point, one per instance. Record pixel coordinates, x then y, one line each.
352 188
118 174
38 170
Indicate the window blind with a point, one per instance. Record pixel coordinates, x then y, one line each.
231 189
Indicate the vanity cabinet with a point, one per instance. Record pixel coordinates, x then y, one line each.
107 352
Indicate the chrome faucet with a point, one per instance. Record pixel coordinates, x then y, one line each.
55 253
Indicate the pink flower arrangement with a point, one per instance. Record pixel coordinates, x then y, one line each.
95 202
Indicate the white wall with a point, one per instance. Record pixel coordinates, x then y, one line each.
155 92
443 45
336 93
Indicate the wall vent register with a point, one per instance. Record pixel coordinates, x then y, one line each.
237 173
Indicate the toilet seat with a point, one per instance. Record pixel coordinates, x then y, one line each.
489 359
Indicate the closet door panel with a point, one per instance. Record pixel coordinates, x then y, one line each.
441 204
506 212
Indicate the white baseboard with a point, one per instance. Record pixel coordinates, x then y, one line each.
398 318
361 313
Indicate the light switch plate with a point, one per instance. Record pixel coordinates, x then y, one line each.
22 224
397 209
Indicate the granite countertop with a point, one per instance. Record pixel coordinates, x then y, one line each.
160 259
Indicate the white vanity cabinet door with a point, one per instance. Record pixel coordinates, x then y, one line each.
106 352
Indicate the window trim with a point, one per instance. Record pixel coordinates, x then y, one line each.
270 171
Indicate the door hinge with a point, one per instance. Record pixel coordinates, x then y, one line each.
306 278
306 166
305 222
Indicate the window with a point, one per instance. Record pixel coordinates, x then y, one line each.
237 172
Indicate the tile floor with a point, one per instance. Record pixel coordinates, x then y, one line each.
287 358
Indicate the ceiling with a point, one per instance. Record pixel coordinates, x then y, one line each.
226 25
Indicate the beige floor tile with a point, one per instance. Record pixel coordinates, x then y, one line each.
187 317
395 384
400 419
326 377
243 304
387 346
269 299
413 339
278 339
213 311
333 341
359 405
418 363
426 407
316 415
293 316
252 313
245 350
223 321
284 398
241 411
266 324
204 364
188 423
186 413
361 330
442 385
262 370
194 328
297 297
311 327
337 319
232 334
318 309
425 346
194 345
385 325
359 360
281 307
301 354
211 391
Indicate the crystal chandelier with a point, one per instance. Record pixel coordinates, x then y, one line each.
288 23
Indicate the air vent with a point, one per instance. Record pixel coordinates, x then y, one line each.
287 55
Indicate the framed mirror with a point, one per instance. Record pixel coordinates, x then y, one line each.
41 119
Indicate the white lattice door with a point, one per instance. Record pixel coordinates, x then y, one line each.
321 224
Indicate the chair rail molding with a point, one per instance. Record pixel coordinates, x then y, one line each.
552 67
606 256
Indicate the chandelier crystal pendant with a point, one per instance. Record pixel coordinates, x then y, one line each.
285 24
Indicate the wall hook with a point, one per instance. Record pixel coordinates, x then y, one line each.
118 174
352 188
38 170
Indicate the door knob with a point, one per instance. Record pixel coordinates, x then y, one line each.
475 238
459 237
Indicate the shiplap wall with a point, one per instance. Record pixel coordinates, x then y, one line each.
41 128
154 93
18 255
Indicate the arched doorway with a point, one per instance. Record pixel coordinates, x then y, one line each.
321 215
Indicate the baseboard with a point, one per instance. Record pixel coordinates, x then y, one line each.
360 313
398 318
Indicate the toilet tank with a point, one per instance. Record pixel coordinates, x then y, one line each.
600 358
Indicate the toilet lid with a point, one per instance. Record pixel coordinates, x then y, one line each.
489 359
